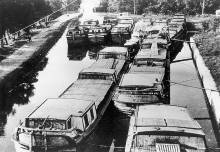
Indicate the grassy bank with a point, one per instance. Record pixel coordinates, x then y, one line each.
208 43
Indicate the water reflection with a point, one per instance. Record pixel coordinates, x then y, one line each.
18 91
111 133
78 54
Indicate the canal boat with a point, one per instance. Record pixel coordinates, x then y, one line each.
65 122
120 33
109 23
164 128
113 58
97 34
141 85
153 53
76 36
91 22
113 52
125 20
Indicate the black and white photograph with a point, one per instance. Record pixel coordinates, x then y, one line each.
109 75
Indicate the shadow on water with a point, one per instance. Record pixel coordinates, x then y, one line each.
19 90
111 133
79 53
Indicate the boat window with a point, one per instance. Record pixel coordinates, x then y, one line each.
69 123
70 33
92 114
86 121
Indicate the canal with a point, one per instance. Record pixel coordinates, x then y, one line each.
49 79
58 70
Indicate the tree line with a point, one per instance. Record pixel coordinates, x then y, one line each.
17 14
190 7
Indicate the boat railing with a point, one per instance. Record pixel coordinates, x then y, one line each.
149 91
31 130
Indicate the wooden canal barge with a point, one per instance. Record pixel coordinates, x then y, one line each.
141 85
89 31
153 52
144 82
77 36
177 34
120 33
63 123
98 34
164 128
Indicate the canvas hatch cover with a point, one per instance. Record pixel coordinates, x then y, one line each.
114 50
141 79
146 69
98 71
166 116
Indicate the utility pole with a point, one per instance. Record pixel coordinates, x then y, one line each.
134 6
203 7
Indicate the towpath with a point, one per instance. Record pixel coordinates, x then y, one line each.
39 46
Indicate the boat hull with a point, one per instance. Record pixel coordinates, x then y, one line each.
78 41
97 39
120 38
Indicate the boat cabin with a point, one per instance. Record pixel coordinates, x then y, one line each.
91 22
76 31
141 82
121 28
110 21
98 73
160 128
96 30
140 88
63 114
56 123
113 52
125 20
152 53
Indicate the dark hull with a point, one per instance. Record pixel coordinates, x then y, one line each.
120 38
176 44
79 41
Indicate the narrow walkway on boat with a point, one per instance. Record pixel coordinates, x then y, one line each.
184 91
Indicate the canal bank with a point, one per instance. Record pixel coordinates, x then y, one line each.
32 52
185 90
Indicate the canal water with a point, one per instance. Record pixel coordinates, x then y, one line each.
49 79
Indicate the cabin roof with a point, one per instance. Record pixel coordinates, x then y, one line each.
104 63
91 70
131 41
62 108
141 79
165 116
150 54
88 89
113 50
121 26
146 69
156 40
